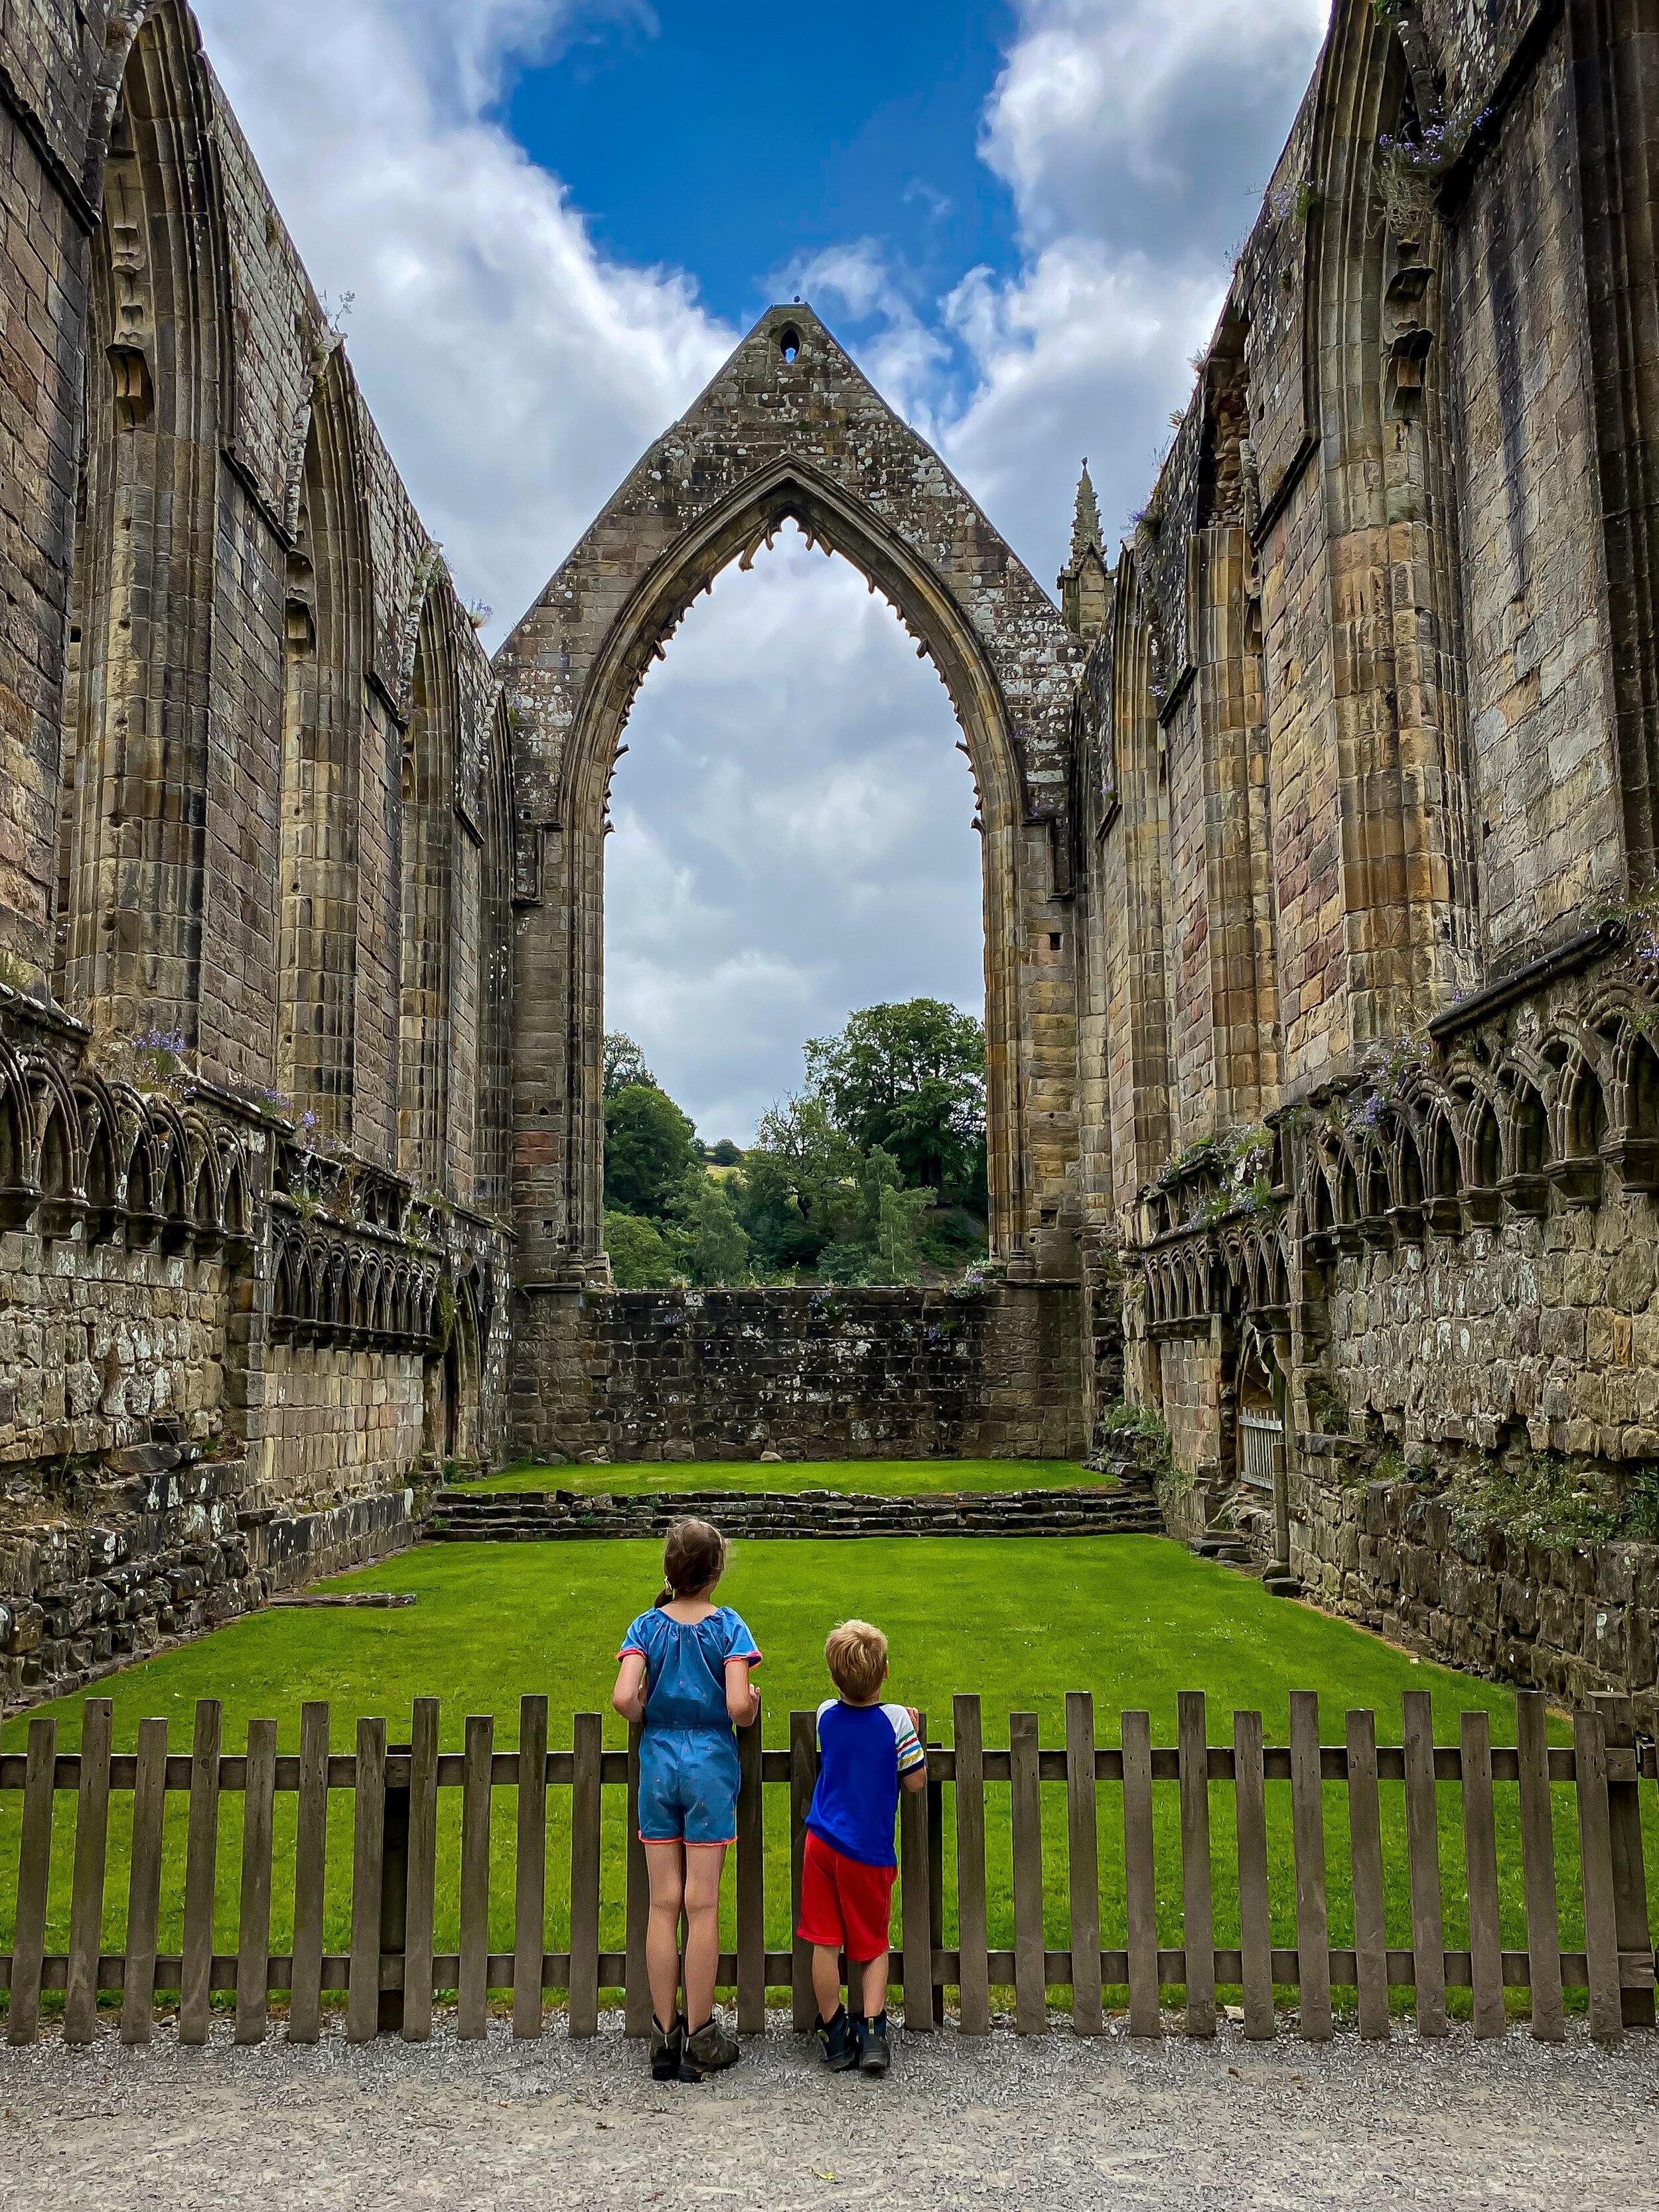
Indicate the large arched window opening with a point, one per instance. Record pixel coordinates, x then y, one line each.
132 814
429 832
325 650
793 836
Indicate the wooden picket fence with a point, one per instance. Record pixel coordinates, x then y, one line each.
391 1971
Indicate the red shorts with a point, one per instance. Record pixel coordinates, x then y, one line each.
845 1906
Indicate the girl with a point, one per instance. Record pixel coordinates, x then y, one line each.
685 1674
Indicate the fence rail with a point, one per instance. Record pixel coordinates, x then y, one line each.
391 1970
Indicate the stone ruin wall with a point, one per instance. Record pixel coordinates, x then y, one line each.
1329 878
253 1279
1368 738
832 1374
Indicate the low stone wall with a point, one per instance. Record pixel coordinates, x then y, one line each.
147 1561
1567 1622
509 1516
841 1374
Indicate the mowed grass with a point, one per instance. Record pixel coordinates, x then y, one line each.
870 1478
1019 1620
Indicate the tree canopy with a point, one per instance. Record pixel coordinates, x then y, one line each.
647 1149
911 1079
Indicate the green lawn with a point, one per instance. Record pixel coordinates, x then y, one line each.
873 1478
1020 1620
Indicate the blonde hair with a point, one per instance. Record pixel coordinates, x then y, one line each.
856 1655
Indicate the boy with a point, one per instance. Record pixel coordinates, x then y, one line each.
867 1750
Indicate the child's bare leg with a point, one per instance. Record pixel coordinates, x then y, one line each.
826 1979
703 1863
665 1865
874 1975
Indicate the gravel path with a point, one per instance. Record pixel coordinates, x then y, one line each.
1008 2123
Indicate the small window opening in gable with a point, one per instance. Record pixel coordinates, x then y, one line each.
789 343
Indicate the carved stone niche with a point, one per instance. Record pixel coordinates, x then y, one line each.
135 393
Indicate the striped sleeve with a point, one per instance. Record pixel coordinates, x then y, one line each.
906 1740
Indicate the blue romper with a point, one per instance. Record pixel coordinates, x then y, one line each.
688 1749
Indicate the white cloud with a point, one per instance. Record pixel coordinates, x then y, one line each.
515 375
791 834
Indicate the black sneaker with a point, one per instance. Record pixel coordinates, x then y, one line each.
874 2057
710 2050
666 2046
840 2049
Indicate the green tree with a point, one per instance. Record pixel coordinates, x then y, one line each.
647 1150
909 1077
624 1063
719 1249
640 1257
798 1184
892 1221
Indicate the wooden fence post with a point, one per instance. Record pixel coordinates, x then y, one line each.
935 1797
367 1843
1083 1837
1630 1880
1025 1793
1423 1856
1607 2018
253 1932
1538 1863
803 1774
201 1874
1140 1875
91 1851
1313 1934
421 1861
973 1977
310 1877
33 1883
1197 1894
1255 1919
530 1888
473 1997
915 1917
584 1993
1370 1931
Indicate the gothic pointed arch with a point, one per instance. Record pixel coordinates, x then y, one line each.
159 409
789 429
325 653
431 748
1378 371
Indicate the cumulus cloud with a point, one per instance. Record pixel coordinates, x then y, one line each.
792 836
516 373
1136 137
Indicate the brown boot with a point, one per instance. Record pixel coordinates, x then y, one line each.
710 2050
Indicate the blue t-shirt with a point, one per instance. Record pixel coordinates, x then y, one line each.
685 1666
862 1752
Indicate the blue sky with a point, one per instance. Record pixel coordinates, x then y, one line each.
556 218
739 140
